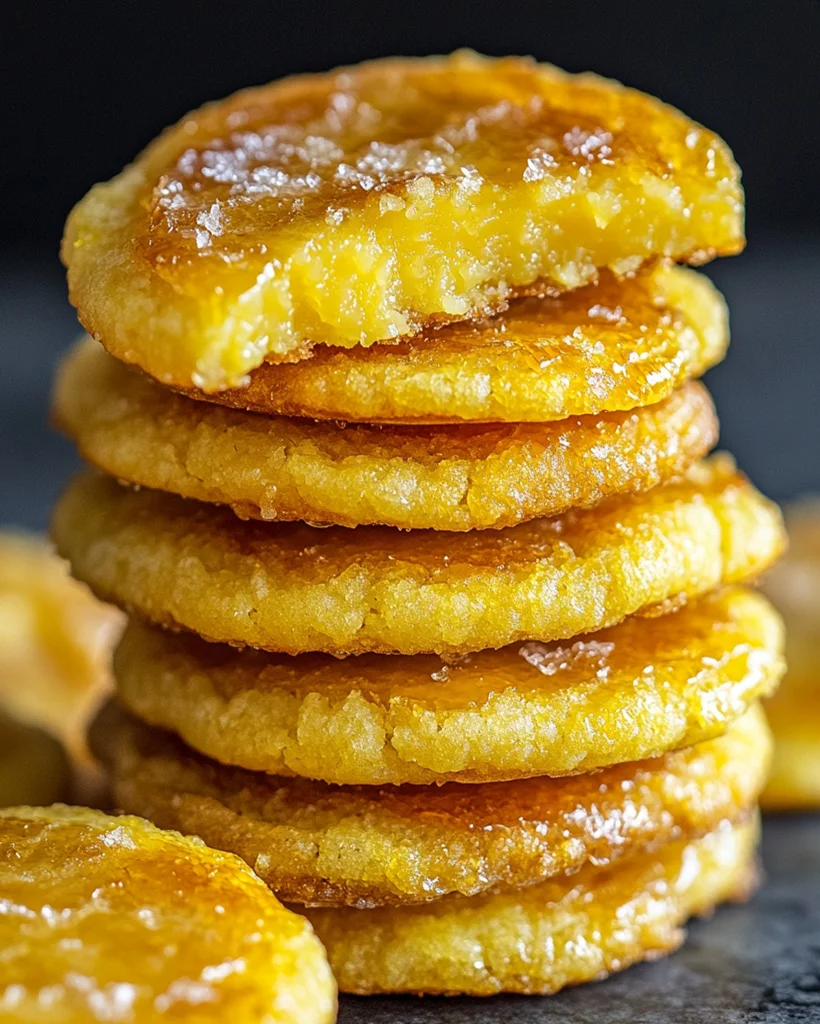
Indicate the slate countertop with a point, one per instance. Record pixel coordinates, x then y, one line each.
759 962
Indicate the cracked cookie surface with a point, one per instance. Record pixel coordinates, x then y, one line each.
367 846
371 202
458 478
293 588
113 919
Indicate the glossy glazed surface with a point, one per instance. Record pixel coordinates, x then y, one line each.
294 588
111 919
538 940
630 692
446 478
365 203
607 347
370 845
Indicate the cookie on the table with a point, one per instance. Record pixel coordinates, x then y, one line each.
111 918
540 939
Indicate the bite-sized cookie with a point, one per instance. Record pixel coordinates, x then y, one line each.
542 938
633 691
372 845
608 347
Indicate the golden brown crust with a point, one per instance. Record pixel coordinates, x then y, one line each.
608 347
446 478
540 939
413 191
294 588
366 846
630 692
111 918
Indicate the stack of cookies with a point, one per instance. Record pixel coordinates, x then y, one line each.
440 617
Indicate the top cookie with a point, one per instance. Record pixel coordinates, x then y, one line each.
369 203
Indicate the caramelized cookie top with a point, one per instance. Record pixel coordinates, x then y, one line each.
613 345
292 587
320 145
112 919
372 845
636 690
368 203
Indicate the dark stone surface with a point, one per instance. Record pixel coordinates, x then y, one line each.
753 963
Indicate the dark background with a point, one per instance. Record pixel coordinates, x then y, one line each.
86 85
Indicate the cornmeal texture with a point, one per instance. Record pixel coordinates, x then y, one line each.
610 346
293 588
445 478
633 691
368 203
371 845
540 939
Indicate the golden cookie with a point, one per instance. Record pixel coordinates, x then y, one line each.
33 767
372 845
112 919
636 690
794 783
445 478
794 585
369 202
542 938
55 641
608 347
294 588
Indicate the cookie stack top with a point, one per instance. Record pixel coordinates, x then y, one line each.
374 202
